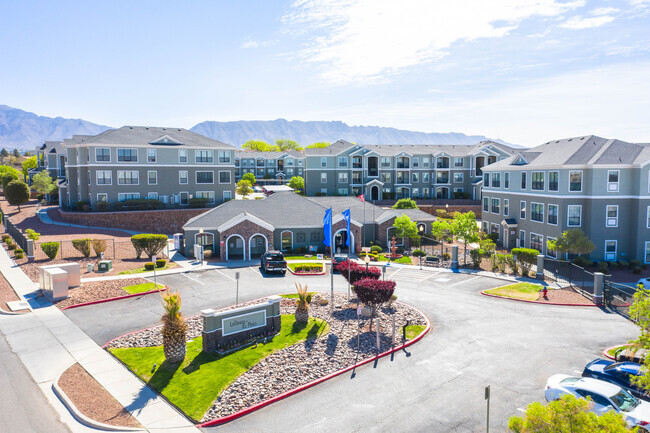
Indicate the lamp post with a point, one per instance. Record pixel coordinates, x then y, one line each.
201 237
367 260
421 230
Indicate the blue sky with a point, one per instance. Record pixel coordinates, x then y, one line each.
526 71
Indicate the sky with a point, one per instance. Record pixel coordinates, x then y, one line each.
525 71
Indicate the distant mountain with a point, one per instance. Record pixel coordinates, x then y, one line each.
24 131
305 133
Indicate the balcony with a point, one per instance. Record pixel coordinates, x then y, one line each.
442 180
442 164
357 165
403 165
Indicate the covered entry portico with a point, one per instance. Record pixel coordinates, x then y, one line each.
509 233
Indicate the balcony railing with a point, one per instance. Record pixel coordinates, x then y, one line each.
357 165
442 165
402 165
442 180
373 172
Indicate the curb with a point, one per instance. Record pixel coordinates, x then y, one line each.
282 396
11 313
607 355
76 413
101 301
538 302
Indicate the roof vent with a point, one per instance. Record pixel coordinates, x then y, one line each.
570 139
164 129
557 141
130 127
582 138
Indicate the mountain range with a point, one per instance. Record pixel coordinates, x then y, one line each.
24 130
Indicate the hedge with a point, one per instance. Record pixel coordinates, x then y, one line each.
82 245
198 202
160 263
139 204
150 244
99 246
51 249
149 266
526 258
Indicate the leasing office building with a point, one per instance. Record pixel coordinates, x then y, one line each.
595 184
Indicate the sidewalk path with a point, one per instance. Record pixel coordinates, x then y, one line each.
47 343
45 218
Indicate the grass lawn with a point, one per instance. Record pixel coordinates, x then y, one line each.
527 291
612 351
405 260
304 258
295 295
141 288
312 265
193 385
142 269
413 331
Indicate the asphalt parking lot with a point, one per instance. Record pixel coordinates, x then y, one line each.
438 385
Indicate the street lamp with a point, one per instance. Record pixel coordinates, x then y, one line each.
367 260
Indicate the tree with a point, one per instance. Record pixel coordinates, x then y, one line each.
244 188
17 193
27 164
567 414
419 254
572 241
250 177
285 144
438 230
16 153
464 227
374 293
43 183
260 146
4 153
319 145
640 313
297 183
405 203
9 176
405 228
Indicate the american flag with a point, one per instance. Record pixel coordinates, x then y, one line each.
361 198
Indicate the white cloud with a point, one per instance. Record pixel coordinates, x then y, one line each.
250 43
366 40
579 23
604 11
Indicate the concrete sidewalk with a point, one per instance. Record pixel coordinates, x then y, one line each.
45 218
47 343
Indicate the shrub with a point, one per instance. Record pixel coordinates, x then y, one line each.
51 249
300 250
613 265
40 197
82 245
476 256
636 270
375 249
102 206
149 266
33 235
19 250
405 203
8 178
22 255
354 272
198 202
160 263
374 292
526 257
582 261
399 250
17 193
149 244
99 246
446 256
11 246
603 267
6 238
623 264
207 254
81 205
494 237
139 204
634 263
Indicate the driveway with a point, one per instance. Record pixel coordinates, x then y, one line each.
438 385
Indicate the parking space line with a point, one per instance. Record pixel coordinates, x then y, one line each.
464 281
225 275
193 279
394 273
432 275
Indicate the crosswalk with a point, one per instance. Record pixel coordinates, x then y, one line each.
413 275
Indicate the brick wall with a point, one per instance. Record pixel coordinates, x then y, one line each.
246 229
168 221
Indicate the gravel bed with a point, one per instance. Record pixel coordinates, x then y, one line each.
346 344
97 291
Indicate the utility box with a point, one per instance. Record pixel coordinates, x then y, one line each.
73 270
105 265
56 283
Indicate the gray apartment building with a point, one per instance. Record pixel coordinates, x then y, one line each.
381 172
169 164
50 156
598 185
269 165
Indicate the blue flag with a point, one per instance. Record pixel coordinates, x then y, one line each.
346 215
327 228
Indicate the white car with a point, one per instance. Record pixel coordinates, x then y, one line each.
605 396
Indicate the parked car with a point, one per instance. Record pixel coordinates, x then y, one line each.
605 396
273 261
645 282
338 258
618 373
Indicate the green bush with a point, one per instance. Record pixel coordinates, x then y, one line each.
7 178
301 250
22 255
623 264
198 202
79 206
526 257
375 249
603 267
51 249
33 235
614 265
399 250
11 246
19 250
160 263
6 238
476 256
636 270
635 263
582 261
82 245
149 266
139 204
99 246
494 237
102 206
150 244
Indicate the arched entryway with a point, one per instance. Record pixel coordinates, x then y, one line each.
340 238
206 240
374 193
257 245
286 240
235 248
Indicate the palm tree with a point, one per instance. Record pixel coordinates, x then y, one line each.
302 304
174 328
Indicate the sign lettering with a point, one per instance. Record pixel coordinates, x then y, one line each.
243 322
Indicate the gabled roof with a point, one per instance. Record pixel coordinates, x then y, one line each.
331 150
253 154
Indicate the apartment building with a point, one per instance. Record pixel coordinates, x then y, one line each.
173 165
269 165
400 171
598 185
51 157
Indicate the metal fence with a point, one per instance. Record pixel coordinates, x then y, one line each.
565 272
619 297
16 234
114 250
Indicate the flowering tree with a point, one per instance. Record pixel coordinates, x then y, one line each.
374 293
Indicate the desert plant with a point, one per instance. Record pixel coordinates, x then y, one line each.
374 293
302 303
6 238
82 245
11 246
33 235
149 244
99 246
160 263
149 266
174 327
19 256
51 249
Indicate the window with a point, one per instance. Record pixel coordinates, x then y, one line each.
523 180
342 191
425 177
385 162
496 205
486 180
458 177
506 180
182 177
416 162
224 157
104 177
323 162
415 177
522 238
287 241
537 181
552 214
537 242
610 250
537 212
128 196
224 177
425 161
343 178
343 161
102 197
647 215
442 177
205 176
486 204
127 155
151 155
496 180
323 191
612 216
612 180
385 177
206 194
227 195
323 178
647 252
152 196
182 155
506 207
550 252
102 154
553 181
203 156
129 177
575 181
425 192
574 215
458 162
314 237
152 177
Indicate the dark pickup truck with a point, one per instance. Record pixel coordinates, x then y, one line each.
273 261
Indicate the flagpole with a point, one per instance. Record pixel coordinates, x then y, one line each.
332 258
350 241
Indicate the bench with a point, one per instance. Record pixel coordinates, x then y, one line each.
431 260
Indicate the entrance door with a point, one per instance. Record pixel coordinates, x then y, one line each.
340 241
374 193
185 198
280 165
372 166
